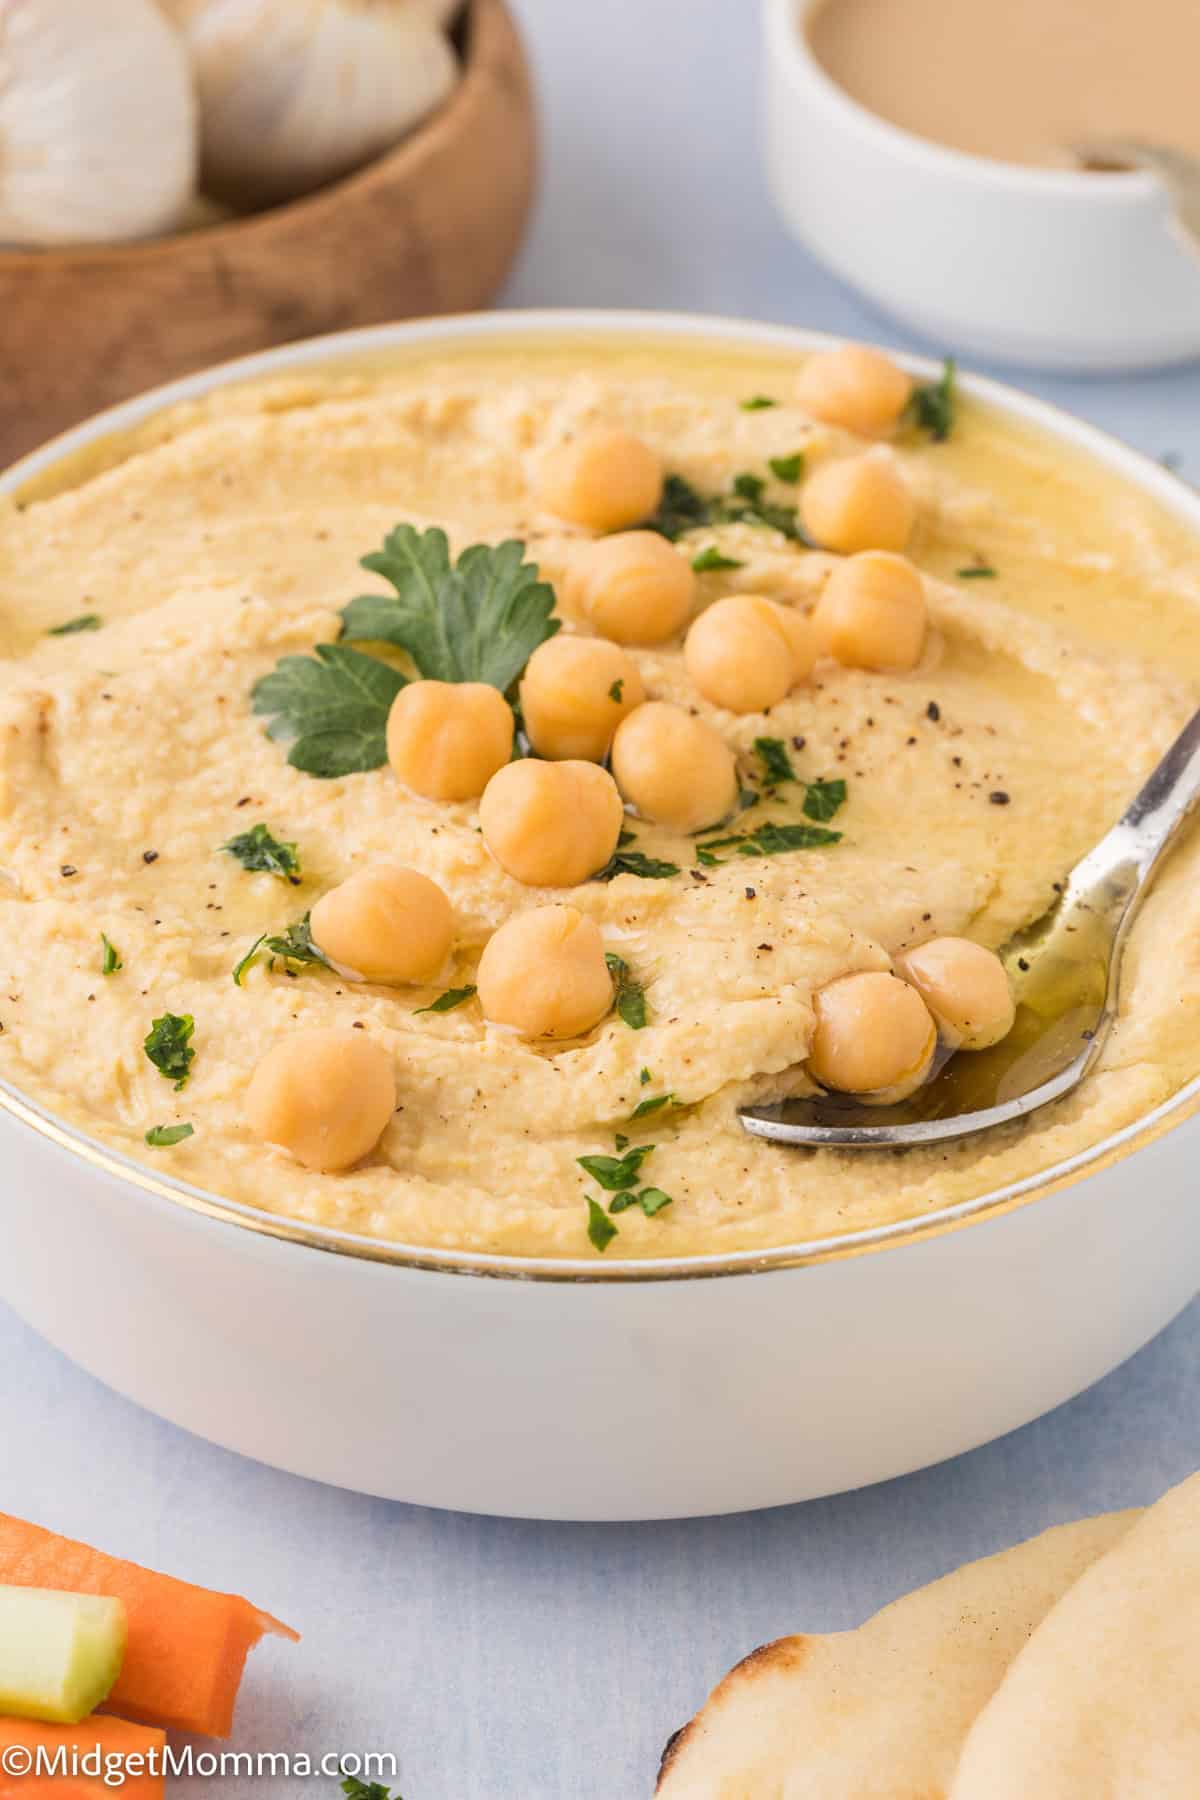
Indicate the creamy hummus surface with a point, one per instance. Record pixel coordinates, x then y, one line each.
228 535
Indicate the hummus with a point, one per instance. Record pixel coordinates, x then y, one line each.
227 535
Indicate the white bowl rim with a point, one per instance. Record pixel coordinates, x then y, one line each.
453 330
788 41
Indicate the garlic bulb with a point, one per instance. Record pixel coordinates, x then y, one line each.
294 93
97 122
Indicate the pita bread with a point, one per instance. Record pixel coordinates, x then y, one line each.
1104 1701
880 1713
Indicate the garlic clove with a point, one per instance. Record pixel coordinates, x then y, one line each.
97 122
294 93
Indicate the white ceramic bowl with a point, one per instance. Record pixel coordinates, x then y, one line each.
588 1389
1052 268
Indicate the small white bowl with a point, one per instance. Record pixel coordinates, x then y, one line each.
1051 268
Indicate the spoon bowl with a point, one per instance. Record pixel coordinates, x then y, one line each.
1064 971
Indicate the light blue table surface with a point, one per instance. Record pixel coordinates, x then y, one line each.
506 1661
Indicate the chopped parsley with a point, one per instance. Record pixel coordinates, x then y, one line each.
260 852
334 706
479 619
295 945
758 403
768 839
110 961
618 1176
933 407
711 560
823 799
979 571
651 1200
448 1001
787 468
645 1077
616 692
161 1137
600 1228
655 1104
85 622
615 1174
777 764
632 862
630 995
354 1789
168 1044
684 508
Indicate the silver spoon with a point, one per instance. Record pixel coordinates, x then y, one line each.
1178 172
1064 968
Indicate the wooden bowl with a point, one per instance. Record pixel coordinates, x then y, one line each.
432 227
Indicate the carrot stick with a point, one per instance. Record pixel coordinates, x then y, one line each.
100 1745
187 1646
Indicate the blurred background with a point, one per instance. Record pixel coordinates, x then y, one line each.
645 186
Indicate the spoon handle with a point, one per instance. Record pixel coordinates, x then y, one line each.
1127 857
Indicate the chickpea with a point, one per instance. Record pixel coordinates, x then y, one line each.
603 480
855 387
575 693
551 824
544 973
874 1037
634 588
966 989
446 739
745 653
674 768
872 614
385 924
324 1096
858 503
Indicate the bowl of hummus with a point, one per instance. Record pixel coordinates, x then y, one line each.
447 772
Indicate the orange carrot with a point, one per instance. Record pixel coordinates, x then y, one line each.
100 1746
187 1646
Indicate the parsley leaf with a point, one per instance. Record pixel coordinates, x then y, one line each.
479 619
615 1174
651 1200
295 945
933 407
632 862
354 1789
85 622
644 1107
616 692
712 559
777 764
787 468
600 1229
161 1137
758 403
335 707
448 1001
822 799
977 572
168 1045
630 1000
261 853
111 960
